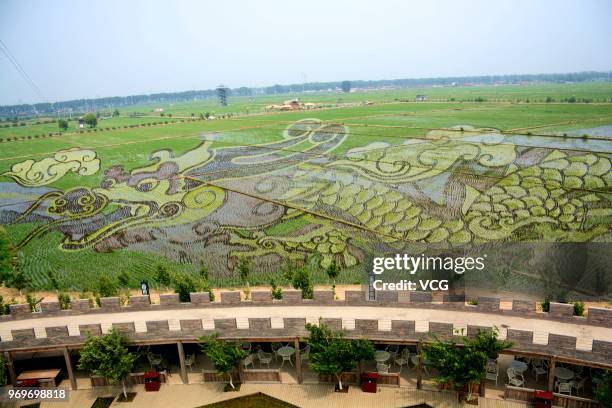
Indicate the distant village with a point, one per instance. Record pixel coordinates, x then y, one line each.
292 105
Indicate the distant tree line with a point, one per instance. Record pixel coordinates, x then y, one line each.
414 82
88 105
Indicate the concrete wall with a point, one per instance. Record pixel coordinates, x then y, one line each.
230 298
561 310
520 336
200 298
262 323
561 341
169 299
488 304
292 297
558 311
261 327
323 296
600 316
261 296
110 304
139 302
366 326
523 306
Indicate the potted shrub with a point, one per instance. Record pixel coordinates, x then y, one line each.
462 367
226 356
108 356
331 353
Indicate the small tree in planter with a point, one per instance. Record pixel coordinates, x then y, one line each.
108 356
331 353
461 367
226 356
457 367
487 341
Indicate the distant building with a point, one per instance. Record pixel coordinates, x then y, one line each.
81 123
158 110
421 98
293 103
288 105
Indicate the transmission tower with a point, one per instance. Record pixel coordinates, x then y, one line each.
222 92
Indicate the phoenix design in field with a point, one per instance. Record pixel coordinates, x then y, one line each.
299 196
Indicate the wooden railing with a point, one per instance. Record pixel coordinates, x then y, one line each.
349 377
133 378
261 376
352 377
138 378
215 376
559 400
389 379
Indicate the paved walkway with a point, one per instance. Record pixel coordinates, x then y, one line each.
306 396
459 319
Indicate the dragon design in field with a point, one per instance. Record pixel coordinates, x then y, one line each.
307 194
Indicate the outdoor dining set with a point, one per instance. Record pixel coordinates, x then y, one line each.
285 353
279 352
395 355
567 380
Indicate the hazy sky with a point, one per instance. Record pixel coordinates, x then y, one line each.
82 49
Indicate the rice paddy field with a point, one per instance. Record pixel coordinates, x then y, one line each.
342 183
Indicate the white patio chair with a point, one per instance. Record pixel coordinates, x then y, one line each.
401 360
246 346
286 358
515 379
264 358
382 368
492 371
275 347
249 361
154 359
190 361
305 353
564 388
539 368
578 385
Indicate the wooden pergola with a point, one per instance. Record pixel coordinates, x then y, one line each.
179 342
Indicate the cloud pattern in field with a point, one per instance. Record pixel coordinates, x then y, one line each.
31 173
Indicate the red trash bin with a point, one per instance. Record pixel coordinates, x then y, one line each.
368 382
542 399
152 381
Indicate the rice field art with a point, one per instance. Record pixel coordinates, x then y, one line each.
303 196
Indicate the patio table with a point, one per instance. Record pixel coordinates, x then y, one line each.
286 351
39 375
381 356
564 373
518 366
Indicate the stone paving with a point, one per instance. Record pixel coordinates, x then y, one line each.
306 396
